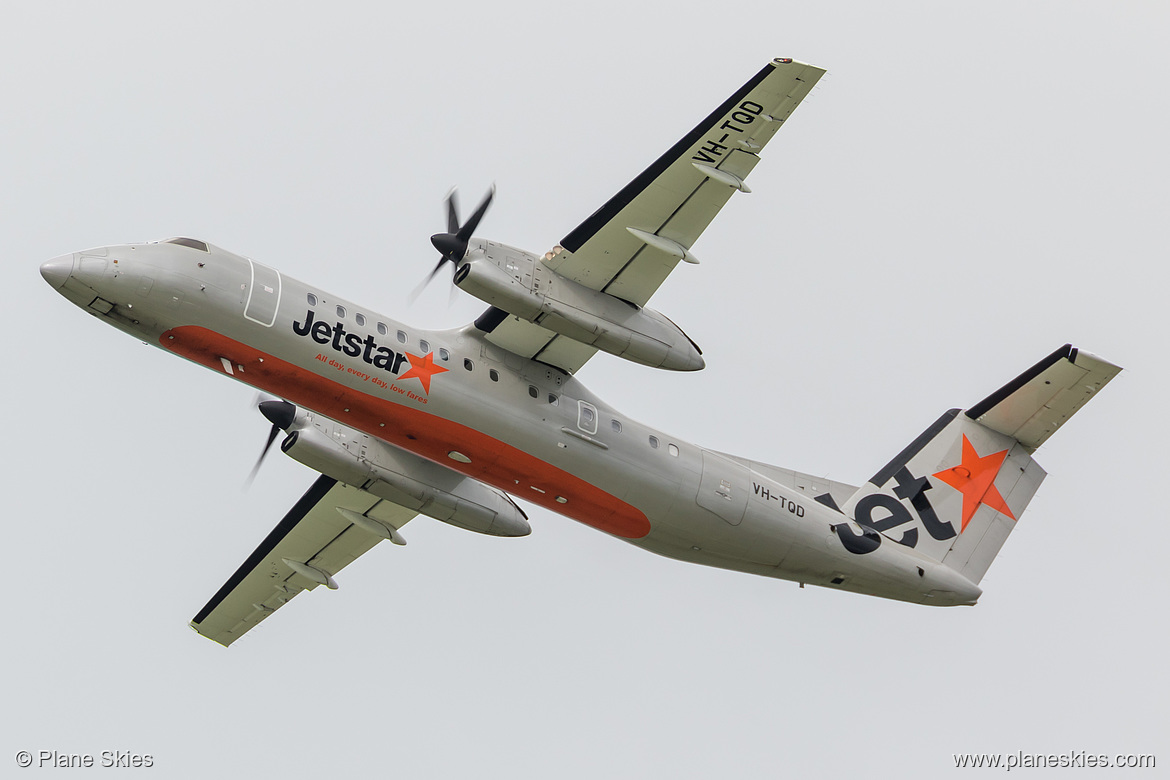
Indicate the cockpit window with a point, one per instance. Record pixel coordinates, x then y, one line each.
188 242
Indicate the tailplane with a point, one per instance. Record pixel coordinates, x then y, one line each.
956 492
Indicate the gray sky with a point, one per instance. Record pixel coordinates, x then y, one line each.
970 187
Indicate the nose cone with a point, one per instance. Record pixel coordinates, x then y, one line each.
57 271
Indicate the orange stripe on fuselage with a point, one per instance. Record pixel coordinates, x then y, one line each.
493 461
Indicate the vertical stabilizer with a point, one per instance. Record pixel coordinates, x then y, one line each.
957 491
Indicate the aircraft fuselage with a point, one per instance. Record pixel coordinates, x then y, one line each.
459 401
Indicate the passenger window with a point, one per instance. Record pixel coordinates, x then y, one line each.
444 354
424 346
654 442
673 450
532 391
401 337
617 426
359 318
312 299
586 417
341 312
494 375
468 364
382 328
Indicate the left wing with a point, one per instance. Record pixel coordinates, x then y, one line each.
630 245
319 537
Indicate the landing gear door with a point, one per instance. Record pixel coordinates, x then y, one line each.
724 486
263 295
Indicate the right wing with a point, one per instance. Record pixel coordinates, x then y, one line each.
316 534
630 245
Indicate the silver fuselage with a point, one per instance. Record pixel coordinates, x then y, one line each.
516 424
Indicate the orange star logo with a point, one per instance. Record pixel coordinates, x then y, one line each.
422 369
975 478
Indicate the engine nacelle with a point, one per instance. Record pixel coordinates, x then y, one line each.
405 479
520 284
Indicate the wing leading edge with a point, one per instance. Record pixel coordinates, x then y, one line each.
317 535
630 245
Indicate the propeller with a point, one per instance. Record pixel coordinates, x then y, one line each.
452 245
281 414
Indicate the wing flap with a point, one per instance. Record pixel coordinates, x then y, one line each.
314 533
566 353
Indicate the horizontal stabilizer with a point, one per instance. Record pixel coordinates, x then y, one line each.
1032 406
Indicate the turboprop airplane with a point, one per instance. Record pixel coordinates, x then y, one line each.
453 424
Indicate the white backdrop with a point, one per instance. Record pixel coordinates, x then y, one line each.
970 187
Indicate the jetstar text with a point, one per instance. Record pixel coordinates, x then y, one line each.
350 343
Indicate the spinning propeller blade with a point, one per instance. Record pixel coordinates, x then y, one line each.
281 414
452 245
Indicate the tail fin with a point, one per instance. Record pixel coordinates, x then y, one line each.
956 492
